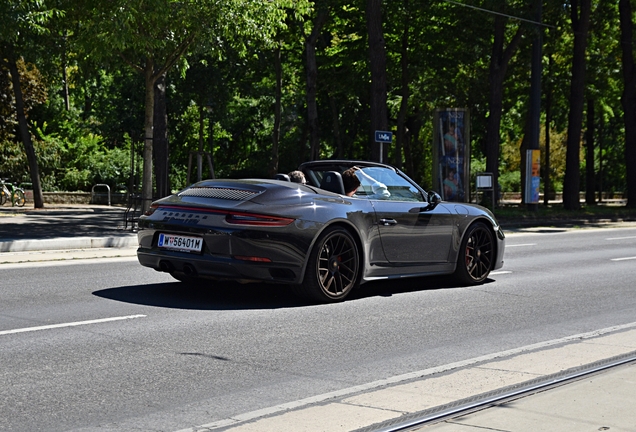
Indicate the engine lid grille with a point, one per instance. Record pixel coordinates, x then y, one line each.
219 193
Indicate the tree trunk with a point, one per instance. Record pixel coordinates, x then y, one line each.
413 152
273 166
404 105
629 98
377 62
146 183
525 146
548 120
312 78
590 176
38 200
160 139
580 15
67 102
335 121
498 66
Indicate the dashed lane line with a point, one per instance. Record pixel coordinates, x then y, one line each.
70 324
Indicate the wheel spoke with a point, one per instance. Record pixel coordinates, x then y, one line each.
337 265
478 254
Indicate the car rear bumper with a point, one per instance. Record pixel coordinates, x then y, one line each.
224 268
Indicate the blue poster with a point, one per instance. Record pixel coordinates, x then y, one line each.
451 155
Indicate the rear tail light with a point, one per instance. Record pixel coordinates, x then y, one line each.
251 258
153 208
257 220
234 218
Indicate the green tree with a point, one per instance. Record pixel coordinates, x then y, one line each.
22 20
153 36
629 96
580 17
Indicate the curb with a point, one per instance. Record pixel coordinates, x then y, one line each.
127 241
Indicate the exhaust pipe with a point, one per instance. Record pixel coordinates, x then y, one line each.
166 266
189 270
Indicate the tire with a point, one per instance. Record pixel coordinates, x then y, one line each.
18 198
333 267
3 196
476 255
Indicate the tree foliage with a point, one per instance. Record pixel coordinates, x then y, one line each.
265 85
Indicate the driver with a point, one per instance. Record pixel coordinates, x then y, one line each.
355 176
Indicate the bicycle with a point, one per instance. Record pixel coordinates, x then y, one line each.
11 192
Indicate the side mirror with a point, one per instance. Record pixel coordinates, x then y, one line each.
433 199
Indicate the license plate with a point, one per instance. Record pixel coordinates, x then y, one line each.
180 243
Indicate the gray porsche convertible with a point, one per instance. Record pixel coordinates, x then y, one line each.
316 236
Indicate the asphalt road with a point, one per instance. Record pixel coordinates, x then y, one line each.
166 357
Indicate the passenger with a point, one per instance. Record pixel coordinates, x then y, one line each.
350 181
355 176
297 177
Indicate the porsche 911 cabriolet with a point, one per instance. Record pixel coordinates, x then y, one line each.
317 237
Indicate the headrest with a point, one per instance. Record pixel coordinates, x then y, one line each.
332 181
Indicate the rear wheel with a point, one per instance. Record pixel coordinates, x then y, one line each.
332 270
476 255
18 198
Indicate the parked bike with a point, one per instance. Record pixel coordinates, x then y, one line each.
13 193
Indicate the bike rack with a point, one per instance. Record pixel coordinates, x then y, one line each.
93 192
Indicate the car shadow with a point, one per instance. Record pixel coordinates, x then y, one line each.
221 296
388 288
235 296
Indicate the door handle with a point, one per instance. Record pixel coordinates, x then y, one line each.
387 222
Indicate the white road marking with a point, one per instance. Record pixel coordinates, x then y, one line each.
524 244
623 259
397 379
71 324
500 272
621 238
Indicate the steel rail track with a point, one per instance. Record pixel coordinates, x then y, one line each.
497 397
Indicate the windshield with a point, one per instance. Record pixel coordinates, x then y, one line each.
375 182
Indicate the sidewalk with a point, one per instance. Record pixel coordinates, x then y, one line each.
603 401
61 227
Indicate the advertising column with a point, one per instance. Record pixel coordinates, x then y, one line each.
533 176
451 154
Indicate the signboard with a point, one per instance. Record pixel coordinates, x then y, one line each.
383 137
451 154
533 176
484 181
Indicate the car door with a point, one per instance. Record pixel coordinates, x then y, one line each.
411 232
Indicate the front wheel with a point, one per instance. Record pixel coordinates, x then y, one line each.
476 255
18 198
332 270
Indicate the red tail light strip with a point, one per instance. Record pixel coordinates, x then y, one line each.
234 218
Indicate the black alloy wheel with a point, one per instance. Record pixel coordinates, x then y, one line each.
476 255
332 270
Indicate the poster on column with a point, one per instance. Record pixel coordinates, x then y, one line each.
533 176
451 153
